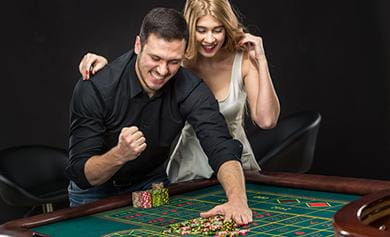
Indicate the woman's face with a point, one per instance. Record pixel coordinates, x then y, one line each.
210 35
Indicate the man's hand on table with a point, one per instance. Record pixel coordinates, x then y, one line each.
238 211
231 176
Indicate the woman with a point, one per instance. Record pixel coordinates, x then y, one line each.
234 66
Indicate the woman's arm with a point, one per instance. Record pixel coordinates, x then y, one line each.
262 98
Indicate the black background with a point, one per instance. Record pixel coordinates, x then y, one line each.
328 56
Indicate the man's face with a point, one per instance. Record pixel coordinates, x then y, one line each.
158 61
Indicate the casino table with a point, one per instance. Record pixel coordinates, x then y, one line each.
283 204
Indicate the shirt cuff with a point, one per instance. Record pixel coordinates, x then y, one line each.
229 150
75 172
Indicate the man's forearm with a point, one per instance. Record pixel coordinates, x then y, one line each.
99 169
231 176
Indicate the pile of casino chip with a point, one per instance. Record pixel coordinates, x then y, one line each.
154 197
212 226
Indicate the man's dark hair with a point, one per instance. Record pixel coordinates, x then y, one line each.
165 23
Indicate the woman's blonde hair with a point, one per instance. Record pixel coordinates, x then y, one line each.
223 12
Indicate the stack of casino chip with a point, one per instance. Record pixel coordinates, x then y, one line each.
142 199
155 197
215 226
157 185
159 195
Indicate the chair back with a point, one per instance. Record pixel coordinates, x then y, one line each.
33 175
288 147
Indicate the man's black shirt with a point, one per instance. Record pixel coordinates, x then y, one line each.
114 99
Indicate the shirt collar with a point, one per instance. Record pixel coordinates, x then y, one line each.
135 85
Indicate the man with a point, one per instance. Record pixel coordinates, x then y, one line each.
125 118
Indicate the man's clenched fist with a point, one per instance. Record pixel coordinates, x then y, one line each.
131 143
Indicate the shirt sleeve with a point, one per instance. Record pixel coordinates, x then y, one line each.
210 127
86 130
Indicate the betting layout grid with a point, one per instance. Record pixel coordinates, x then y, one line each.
276 212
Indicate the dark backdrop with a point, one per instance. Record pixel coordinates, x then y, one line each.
327 56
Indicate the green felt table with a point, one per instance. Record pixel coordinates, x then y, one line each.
283 204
